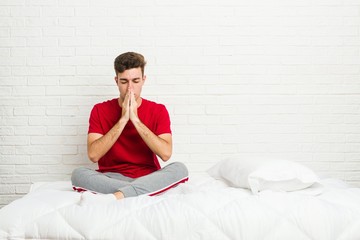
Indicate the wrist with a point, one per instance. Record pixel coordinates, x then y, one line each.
135 120
123 121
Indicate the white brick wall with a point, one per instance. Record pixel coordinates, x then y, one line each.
240 78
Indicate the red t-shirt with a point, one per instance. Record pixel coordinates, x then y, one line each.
129 155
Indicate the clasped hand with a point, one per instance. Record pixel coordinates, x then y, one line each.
129 107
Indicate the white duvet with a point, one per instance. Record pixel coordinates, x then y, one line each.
199 209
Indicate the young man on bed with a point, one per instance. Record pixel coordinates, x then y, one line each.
125 137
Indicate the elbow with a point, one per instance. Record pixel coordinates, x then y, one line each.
164 151
93 157
165 157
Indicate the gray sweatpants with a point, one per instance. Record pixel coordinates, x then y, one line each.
109 182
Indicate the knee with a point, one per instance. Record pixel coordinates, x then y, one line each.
77 175
181 169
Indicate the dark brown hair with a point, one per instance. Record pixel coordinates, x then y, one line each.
129 60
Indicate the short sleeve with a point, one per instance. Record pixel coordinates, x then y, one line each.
163 124
94 122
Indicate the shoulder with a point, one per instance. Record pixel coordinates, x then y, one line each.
106 108
107 104
154 109
153 105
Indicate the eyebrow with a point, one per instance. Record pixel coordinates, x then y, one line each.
125 79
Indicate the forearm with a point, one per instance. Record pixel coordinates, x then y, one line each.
161 147
99 147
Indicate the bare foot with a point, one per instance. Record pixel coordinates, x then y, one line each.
119 195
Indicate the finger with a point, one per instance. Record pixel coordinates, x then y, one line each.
126 101
129 96
133 99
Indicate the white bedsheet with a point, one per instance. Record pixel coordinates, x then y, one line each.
199 209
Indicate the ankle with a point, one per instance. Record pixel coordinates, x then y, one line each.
119 195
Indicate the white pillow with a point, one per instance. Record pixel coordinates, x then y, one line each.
259 175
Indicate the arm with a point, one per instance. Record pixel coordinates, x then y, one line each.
161 145
98 145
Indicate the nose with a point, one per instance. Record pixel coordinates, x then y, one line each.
130 85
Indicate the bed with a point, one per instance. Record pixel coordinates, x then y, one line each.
230 201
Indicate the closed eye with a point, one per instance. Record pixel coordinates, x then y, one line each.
125 81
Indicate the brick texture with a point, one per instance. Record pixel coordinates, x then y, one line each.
277 79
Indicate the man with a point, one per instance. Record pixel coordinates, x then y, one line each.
125 137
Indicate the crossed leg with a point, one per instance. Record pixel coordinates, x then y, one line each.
121 186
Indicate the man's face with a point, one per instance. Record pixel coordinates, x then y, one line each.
130 79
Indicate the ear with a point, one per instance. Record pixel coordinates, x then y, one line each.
116 80
144 78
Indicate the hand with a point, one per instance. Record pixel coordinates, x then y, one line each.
133 107
125 114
